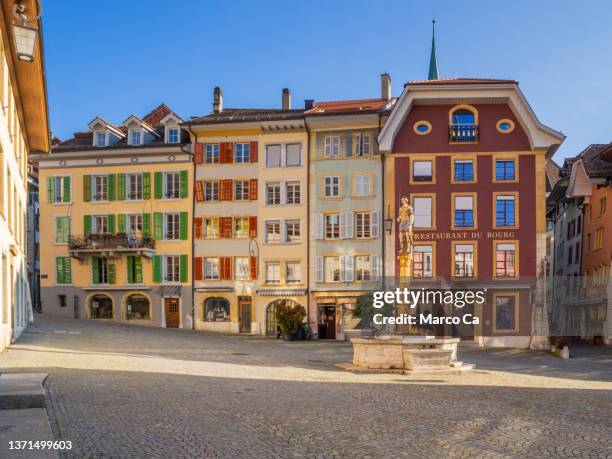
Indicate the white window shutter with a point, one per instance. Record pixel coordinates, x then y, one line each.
375 268
342 268
375 224
320 228
283 193
367 185
348 221
343 225
350 268
319 270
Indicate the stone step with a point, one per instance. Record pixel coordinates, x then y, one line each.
22 390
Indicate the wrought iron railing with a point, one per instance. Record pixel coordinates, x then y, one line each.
463 133
107 241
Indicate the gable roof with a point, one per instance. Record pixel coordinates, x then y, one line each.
156 116
591 166
144 124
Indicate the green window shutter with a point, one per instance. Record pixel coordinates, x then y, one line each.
59 229
146 185
94 270
157 268
138 270
112 190
67 228
146 225
111 223
158 223
87 224
121 181
183 226
112 274
158 185
183 186
66 189
50 189
130 269
87 188
67 270
184 274
121 223
59 270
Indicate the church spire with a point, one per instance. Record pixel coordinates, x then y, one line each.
433 62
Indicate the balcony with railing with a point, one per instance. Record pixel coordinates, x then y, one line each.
463 133
108 244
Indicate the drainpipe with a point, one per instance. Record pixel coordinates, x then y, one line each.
191 153
307 221
382 184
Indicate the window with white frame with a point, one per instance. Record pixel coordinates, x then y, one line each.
364 225
273 193
362 144
292 230
211 191
363 266
59 187
135 137
241 190
241 227
273 231
273 155
331 267
293 192
211 228
211 268
172 135
242 153
422 171
100 188
331 186
332 226
293 272
293 154
272 272
171 226
172 185
134 187
212 153
422 211
100 139
423 261
362 185
100 224
241 268
134 226
332 146
172 268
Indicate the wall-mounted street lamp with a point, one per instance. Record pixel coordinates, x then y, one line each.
388 221
25 36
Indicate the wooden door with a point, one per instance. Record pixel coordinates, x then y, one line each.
244 314
172 312
327 322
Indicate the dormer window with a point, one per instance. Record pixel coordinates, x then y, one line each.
100 139
172 135
463 124
135 137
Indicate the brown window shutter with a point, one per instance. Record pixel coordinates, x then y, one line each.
197 268
227 188
252 227
226 268
253 151
226 227
199 191
199 153
253 267
226 152
253 189
197 227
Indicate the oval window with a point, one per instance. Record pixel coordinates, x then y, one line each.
505 126
422 127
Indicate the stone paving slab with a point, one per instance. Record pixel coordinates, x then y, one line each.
22 390
29 424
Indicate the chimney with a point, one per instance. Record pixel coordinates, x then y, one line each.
217 100
385 86
308 104
286 99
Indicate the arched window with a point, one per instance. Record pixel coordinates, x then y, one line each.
101 307
271 325
216 310
138 307
463 124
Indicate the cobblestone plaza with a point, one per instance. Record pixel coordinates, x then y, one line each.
125 391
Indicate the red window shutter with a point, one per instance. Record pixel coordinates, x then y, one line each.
253 151
253 267
226 152
226 268
226 227
199 191
199 153
252 227
227 188
197 268
198 227
253 189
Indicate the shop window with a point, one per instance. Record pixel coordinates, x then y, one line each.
216 310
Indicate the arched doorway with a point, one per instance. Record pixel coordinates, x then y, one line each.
271 324
137 307
101 307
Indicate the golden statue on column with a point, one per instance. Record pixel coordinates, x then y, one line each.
406 223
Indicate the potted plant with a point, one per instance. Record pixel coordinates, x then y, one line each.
289 317
364 310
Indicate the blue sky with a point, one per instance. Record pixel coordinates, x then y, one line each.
114 58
